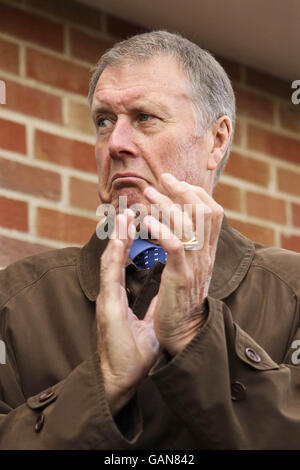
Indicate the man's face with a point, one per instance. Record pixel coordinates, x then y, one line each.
145 127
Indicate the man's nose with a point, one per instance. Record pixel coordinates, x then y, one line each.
121 142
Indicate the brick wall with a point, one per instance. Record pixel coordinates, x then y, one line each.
48 192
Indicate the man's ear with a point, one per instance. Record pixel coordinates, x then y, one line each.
221 131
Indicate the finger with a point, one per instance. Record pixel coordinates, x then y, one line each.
130 231
173 185
112 270
178 220
197 209
185 190
217 212
124 230
168 241
111 266
195 219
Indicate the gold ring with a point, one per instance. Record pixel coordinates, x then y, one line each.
190 244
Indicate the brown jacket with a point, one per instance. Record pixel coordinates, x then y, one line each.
234 386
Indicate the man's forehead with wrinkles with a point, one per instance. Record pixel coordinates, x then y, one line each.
120 95
129 82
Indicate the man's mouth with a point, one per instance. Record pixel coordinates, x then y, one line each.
125 175
126 179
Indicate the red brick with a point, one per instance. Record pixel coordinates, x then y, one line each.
30 180
31 27
273 144
79 118
64 227
13 214
288 181
28 100
237 134
122 29
84 194
9 56
296 214
265 207
254 105
70 10
291 242
57 72
268 83
228 196
12 250
63 151
12 136
248 169
87 47
255 232
290 117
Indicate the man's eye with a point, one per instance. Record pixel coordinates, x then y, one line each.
144 117
103 122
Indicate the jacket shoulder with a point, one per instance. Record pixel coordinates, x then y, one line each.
23 273
284 264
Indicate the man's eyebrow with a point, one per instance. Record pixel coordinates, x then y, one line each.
101 109
137 106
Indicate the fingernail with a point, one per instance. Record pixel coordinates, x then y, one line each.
169 178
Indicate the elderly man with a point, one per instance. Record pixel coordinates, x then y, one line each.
198 351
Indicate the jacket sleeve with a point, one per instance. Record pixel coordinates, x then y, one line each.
228 391
73 414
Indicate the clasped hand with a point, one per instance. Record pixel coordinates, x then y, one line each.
128 347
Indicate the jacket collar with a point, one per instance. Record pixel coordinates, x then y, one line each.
233 258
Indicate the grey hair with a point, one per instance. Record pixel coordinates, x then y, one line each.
211 89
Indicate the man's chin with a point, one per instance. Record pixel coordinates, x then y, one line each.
127 197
